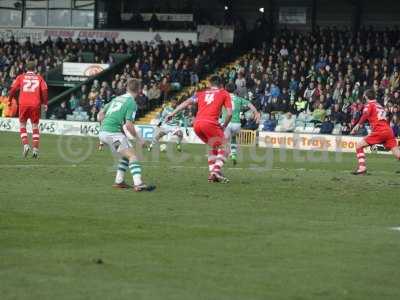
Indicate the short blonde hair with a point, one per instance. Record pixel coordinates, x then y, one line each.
134 85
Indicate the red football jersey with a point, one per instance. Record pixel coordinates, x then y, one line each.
210 103
32 90
376 116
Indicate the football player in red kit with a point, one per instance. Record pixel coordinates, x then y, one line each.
210 103
33 94
381 133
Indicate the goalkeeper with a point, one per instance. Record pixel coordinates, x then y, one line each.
172 127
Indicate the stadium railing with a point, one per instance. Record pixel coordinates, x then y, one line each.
247 137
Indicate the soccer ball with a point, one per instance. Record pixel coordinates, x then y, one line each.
163 147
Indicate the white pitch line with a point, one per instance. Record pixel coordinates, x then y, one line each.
27 166
257 169
395 228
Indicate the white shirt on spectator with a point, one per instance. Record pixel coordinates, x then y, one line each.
284 52
287 124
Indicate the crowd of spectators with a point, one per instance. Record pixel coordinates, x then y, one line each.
163 68
319 77
295 79
47 55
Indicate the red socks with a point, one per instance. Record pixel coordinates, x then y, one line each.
219 161
212 156
24 136
361 159
35 138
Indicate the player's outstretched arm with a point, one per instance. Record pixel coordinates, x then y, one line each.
179 108
362 120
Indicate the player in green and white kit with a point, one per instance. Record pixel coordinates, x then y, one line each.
173 126
119 113
231 131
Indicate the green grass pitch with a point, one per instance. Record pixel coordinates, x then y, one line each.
294 227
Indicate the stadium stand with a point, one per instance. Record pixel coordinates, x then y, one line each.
314 80
164 69
319 78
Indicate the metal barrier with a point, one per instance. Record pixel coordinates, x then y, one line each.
247 137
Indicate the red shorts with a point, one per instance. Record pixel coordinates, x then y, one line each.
28 112
209 132
385 137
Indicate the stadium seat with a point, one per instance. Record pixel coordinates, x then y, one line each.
337 129
309 128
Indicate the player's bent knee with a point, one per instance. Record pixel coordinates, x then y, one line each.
129 154
362 144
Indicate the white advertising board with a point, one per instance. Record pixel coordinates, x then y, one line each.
210 32
314 142
83 69
72 128
293 15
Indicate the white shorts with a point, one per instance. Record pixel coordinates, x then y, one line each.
168 129
232 129
116 141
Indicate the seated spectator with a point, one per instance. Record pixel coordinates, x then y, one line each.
327 126
62 111
251 123
356 111
346 129
142 103
395 124
319 114
73 102
89 105
292 107
362 131
270 123
154 93
93 93
301 105
287 124
241 85
337 114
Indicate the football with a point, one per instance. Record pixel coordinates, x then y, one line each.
163 147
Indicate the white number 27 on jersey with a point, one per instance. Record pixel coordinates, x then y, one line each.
209 99
30 85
